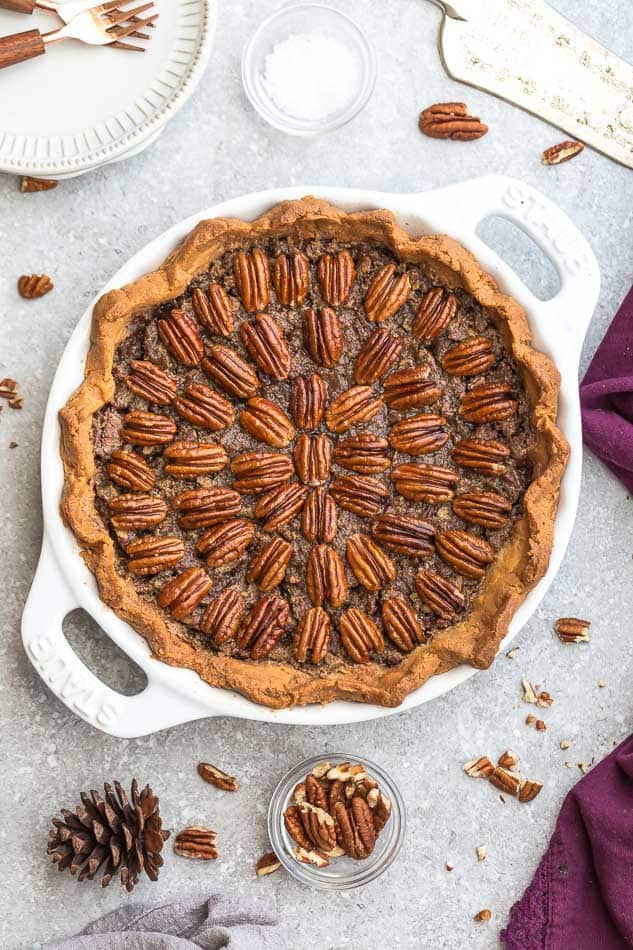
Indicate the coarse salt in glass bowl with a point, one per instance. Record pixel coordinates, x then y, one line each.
308 69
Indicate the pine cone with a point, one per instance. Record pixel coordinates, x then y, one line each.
111 832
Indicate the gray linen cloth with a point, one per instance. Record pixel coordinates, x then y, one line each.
217 922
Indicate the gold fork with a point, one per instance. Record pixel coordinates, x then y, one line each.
107 24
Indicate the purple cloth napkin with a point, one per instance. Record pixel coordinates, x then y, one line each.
606 397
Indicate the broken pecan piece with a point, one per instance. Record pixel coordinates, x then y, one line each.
371 566
183 594
387 292
267 864
266 344
218 778
150 382
435 312
308 398
223 616
259 472
313 457
359 635
181 337
29 184
32 286
136 512
418 481
312 856
292 278
204 407
322 336
364 496
410 389
489 402
483 455
402 624
230 371
572 630
264 626
505 780
336 273
130 470
529 789
469 358
268 568
439 594
226 542
279 506
192 459
153 555
484 508
466 553
419 435
312 636
204 507
325 577
378 355
405 534
319 518
252 279
479 768
214 309
147 428
355 405
450 120
562 152
196 842
365 454
264 420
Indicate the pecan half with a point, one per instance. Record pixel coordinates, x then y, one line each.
264 420
150 382
130 470
292 278
359 635
378 355
259 472
264 626
363 823
313 457
465 552
325 577
216 777
355 405
204 507
483 455
153 555
279 506
489 402
322 336
29 184
364 496
419 435
435 312
410 389
147 428
365 454
266 344
32 286
223 616
252 279
572 630
346 834
204 407
196 842
226 542
312 636
336 273
268 568
484 508
267 864
136 512
230 371
184 593
214 309
439 594
192 459
401 624
181 337
319 826
295 828
387 292
319 518
470 357
505 780
308 398
405 534
450 120
562 152
420 482
371 566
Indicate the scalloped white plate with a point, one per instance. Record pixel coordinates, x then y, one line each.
79 107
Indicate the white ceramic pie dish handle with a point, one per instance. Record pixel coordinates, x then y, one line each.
63 583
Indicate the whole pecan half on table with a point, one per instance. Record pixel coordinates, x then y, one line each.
450 120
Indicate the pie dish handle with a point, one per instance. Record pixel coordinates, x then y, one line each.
156 707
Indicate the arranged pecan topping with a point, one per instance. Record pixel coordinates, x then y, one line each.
266 345
153 555
465 552
136 512
313 457
319 518
225 542
387 292
435 312
204 507
439 594
130 470
230 371
214 309
204 407
405 534
147 428
364 496
312 636
450 120
359 635
267 864
325 577
192 459
150 382
196 842
292 278
572 630
268 567
279 506
419 435
252 279
562 152
355 405
264 420
308 398
322 336
410 389
216 777
182 595
420 482
484 508
264 626
484 455
223 616
365 454
181 337
379 354
371 566
489 402
32 286
258 472
470 357
401 624
336 273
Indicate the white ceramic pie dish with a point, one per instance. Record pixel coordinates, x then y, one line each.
62 581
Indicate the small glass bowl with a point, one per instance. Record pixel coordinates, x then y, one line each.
307 18
342 873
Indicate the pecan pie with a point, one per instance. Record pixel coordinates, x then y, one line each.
314 457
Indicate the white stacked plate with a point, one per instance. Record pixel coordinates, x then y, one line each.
78 107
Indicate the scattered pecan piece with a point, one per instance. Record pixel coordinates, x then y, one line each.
264 420
153 555
319 518
147 428
466 553
469 358
252 279
505 780
562 152
181 337
410 389
360 494
540 726
313 457
483 508
279 506
336 275
150 382
215 776
377 356
214 309
184 593
264 626
226 542
544 699
371 566
192 459
418 481
136 512
572 630
267 864
266 344
439 594
483 916
435 312
204 507
387 292
30 185
322 336
230 371
259 472
484 455
508 760
292 278
405 534
325 577
308 398
479 768
204 407
529 691
32 286
401 624
359 635
365 454
355 405
196 842
489 402
312 636
529 789
268 568
450 120
130 470
223 616
419 435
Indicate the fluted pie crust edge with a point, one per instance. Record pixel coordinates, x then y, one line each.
518 566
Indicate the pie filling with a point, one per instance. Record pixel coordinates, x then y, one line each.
313 455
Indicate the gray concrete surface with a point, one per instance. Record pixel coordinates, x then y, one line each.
80 234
